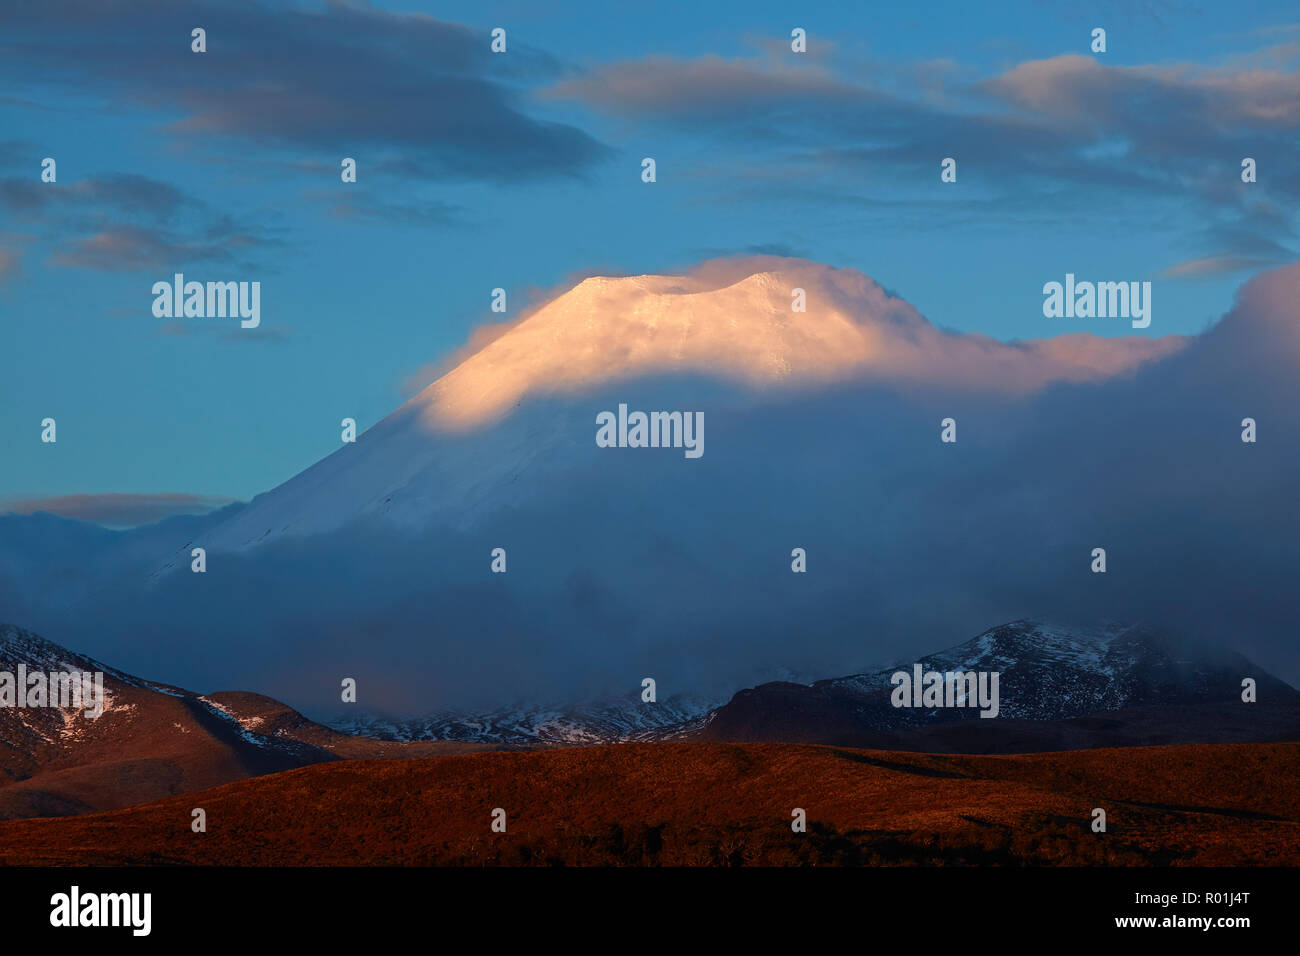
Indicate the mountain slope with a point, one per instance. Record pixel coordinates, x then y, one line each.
151 740
459 448
1060 687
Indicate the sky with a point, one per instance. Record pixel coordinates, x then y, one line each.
522 170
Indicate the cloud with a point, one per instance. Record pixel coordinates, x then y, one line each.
1213 266
10 262
703 88
119 222
775 249
364 205
125 194
116 510
481 337
340 78
136 248
533 298
1180 129
1153 100
1066 129
732 319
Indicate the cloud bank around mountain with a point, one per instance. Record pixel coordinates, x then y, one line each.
116 510
626 563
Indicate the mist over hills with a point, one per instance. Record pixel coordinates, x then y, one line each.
822 432
1059 686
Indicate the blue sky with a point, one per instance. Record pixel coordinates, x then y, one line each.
522 171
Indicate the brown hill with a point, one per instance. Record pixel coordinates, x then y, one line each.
717 804
152 740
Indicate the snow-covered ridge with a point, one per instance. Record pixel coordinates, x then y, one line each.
1051 670
69 724
600 722
247 725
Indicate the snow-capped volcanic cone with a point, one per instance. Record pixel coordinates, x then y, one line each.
822 437
459 447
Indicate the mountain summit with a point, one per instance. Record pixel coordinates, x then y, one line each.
735 319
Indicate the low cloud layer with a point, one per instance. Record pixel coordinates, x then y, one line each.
116 510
